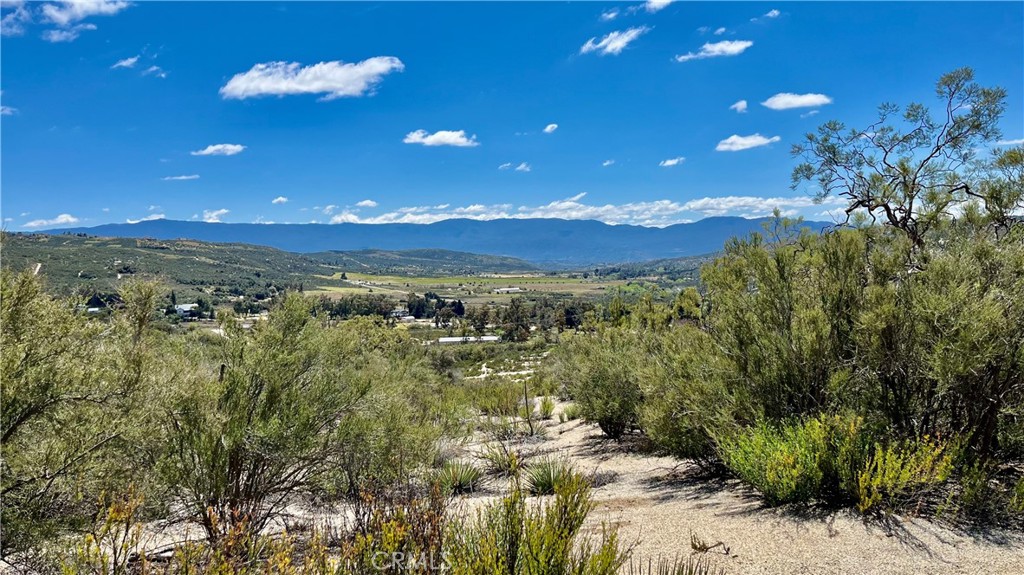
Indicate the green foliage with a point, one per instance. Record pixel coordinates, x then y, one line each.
895 473
547 407
544 476
509 538
572 412
699 565
603 380
459 477
501 459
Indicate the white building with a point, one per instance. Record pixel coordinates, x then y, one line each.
468 339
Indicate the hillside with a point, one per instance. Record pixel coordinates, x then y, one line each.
551 242
422 262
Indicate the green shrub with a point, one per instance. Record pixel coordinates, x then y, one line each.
510 538
458 477
547 407
699 565
500 459
1017 500
896 473
817 459
543 477
571 412
604 381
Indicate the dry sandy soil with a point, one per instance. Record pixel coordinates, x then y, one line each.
658 502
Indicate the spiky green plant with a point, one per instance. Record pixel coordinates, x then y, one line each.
458 477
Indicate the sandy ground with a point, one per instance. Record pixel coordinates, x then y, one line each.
657 503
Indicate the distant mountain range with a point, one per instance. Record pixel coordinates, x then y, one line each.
549 242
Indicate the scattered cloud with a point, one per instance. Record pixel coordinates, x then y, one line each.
773 13
717 49
607 163
219 150
740 107
61 220
1017 142
720 31
671 162
148 218
329 209
615 42
106 209
71 11
8 111
610 15
181 178
523 167
736 143
704 29
550 128
809 114
334 79
214 216
154 208
367 204
786 101
751 206
155 71
13 24
66 34
279 200
505 166
455 138
653 6
126 63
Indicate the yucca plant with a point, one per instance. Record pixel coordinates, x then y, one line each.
500 459
545 476
547 407
458 477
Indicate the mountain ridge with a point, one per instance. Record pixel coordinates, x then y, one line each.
545 241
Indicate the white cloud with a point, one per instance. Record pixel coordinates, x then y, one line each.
279 200
219 150
720 31
615 42
126 63
367 204
607 163
13 24
654 213
786 101
181 178
148 218
671 162
153 208
751 206
106 209
441 138
773 13
328 210
610 15
71 11
740 107
809 114
61 220
155 71
523 167
704 29
550 128
736 143
8 111
66 34
1017 142
717 49
505 166
334 79
653 6
213 216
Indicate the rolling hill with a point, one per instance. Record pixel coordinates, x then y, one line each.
549 242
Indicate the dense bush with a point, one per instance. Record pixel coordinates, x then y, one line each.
601 372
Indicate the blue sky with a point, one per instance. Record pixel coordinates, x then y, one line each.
414 112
